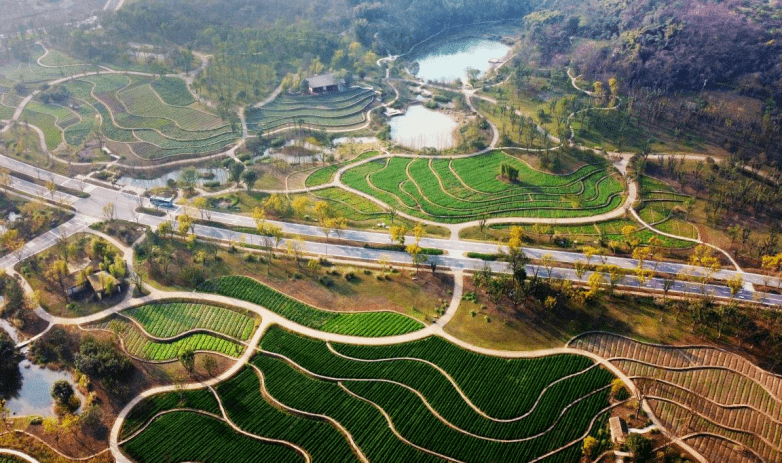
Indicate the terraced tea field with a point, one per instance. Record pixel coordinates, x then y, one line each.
150 119
337 110
423 401
161 332
368 324
464 189
728 408
662 208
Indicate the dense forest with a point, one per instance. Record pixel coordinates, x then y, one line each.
684 45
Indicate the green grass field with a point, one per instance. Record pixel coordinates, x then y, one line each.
534 406
367 324
464 189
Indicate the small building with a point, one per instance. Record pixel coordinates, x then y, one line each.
618 430
76 280
103 283
326 83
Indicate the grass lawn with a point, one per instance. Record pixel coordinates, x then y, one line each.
376 290
523 330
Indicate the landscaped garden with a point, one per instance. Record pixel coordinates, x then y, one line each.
438 397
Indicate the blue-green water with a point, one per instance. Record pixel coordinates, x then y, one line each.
34 398
450 60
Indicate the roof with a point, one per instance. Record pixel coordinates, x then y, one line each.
618 429
97 280
323 80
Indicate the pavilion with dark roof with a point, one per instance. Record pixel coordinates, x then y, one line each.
326 83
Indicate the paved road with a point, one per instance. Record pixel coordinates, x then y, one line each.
126 203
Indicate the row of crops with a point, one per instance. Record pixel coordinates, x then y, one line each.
190 436
464 189
138 345
349 204
333 110
553 410
726 394
366 324
681 421
171 319
610 345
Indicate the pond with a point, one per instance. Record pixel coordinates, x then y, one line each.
448 61
220 174
420 127
34 397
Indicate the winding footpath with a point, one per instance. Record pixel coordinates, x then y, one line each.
268 317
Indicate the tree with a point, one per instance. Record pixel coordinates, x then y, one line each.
323 209
62 391
735 283
165 229
589 447
580 267
189 176
640 446
90 417
548 263
187 359
210 365
56 273
109 212
668 283
10 356
595 282
200 203
236 170
397 233
295 248
271 235
249 177
416 254
300 205
184 223
590 252
616 386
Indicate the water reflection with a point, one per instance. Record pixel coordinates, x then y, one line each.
420 127
34 396
449 61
